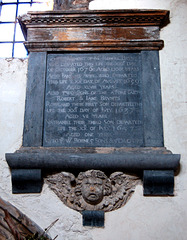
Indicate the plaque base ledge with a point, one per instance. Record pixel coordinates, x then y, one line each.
126 159
33 160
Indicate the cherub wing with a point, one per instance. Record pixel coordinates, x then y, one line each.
61 184
123 186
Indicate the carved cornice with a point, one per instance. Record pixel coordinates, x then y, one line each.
98 18
94 30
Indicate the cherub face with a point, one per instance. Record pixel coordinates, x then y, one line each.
92 190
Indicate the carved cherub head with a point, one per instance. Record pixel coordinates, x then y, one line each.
93 190
93 185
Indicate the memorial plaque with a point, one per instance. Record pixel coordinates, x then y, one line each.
93 100
93 81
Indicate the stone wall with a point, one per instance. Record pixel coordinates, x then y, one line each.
142 217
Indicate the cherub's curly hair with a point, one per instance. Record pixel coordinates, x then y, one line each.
93 174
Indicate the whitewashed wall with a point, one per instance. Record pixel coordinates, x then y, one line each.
143 218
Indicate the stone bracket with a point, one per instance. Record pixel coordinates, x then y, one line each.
26 181
158 169
158 182
93 218
155 183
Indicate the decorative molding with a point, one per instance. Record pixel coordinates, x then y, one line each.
93 190
94 46
95 18
95 21
119 30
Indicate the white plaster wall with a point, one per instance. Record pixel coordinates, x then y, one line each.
143 218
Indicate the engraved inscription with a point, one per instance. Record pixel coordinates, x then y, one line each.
93 100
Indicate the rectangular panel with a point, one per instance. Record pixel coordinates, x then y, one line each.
93 100
153 130
92 34
34 107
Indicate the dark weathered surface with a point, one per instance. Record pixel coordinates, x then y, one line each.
93 100
158 183
26 181
94 30
94 34
93 218
33 127
107 150
153 130
86 161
